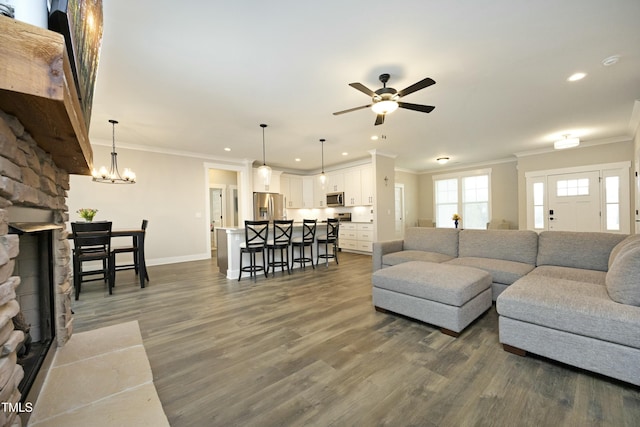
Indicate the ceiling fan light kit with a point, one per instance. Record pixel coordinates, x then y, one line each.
386 99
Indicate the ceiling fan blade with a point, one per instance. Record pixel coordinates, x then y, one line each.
362 88
417 86
379 119
416 107
351 109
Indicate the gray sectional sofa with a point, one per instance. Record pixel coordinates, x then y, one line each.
571 297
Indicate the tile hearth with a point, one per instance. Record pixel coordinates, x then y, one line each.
100 378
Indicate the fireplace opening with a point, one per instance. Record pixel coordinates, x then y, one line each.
35 294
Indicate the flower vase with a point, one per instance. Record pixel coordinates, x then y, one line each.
456 223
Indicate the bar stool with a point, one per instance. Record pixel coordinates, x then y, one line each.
256 234
329 239
306 240
282 232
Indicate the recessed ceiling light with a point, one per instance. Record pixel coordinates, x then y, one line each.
374 138
442 160
227 149
345 153
577 76
611 60
297 159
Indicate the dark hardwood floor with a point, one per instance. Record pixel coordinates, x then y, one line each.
309 349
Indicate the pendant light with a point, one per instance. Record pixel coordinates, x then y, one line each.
323 177
264 170
112 176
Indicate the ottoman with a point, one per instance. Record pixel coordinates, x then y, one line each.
448 296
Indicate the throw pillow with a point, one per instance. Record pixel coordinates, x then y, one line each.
623 278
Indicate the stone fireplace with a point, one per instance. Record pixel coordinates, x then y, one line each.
33 213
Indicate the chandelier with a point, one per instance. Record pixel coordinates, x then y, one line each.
112 176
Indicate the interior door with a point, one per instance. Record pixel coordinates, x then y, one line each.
574 201
216 213
399 208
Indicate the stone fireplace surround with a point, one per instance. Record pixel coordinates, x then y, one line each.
28 178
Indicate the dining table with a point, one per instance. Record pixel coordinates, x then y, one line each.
138 239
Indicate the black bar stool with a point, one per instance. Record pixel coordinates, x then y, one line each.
256 234
282 232
330 238
306 240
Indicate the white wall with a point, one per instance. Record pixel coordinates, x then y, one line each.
171 192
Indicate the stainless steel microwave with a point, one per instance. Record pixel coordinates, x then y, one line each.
335 199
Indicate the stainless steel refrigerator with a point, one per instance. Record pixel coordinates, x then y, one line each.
268 206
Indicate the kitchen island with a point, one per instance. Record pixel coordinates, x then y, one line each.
230 238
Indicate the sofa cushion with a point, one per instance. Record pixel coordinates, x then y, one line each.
568 273
405 256
559 248
447 284
623 278
575 307
439 240
508 245
505 272
628 243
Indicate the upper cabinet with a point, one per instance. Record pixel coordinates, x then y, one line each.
352 187
319 193
368 184
308 199
291 188
309 192
259 185
335 182
359 186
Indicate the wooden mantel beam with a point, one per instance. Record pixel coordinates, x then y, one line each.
36 86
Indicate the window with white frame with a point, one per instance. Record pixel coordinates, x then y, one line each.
467 194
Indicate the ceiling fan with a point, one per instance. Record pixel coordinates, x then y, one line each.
385 99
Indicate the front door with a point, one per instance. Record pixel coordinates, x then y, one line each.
574 201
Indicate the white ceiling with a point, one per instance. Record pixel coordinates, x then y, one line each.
199 76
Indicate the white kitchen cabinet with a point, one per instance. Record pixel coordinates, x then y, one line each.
348 236
291 187
356 236
273 187
352 187
307 192
367 184
335 182
319 193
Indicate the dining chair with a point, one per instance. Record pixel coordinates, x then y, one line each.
256 234
134 250
282 232
306 240
329 239
91 242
